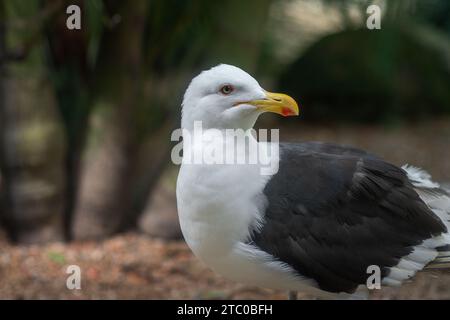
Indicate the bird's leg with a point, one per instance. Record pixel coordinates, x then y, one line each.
292 295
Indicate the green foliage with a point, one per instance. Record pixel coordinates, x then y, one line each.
22 38
57 257
362 75
95 24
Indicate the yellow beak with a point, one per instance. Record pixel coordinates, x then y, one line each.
278 103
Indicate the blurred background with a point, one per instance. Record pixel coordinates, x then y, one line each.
86 117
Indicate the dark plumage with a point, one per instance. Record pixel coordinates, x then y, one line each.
333 211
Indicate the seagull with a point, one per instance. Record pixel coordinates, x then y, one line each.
318 224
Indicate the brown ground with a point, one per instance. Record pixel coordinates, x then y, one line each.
135 266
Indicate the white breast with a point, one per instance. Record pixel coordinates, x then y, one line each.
218 206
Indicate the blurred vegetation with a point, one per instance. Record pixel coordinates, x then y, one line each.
397 73
85 115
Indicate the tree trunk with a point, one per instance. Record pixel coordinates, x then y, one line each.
32 141
2 101
104 189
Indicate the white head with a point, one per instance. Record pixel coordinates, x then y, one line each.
226 97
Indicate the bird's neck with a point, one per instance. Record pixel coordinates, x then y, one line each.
237 148
224 137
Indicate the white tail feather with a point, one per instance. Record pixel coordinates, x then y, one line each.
437 198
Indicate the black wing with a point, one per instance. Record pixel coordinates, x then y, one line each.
334 211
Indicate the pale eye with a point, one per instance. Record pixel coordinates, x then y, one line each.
226 89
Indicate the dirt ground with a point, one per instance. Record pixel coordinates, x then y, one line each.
136 266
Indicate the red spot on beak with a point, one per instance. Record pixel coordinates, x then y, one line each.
286 112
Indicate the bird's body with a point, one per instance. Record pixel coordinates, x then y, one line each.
315 225
217 228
